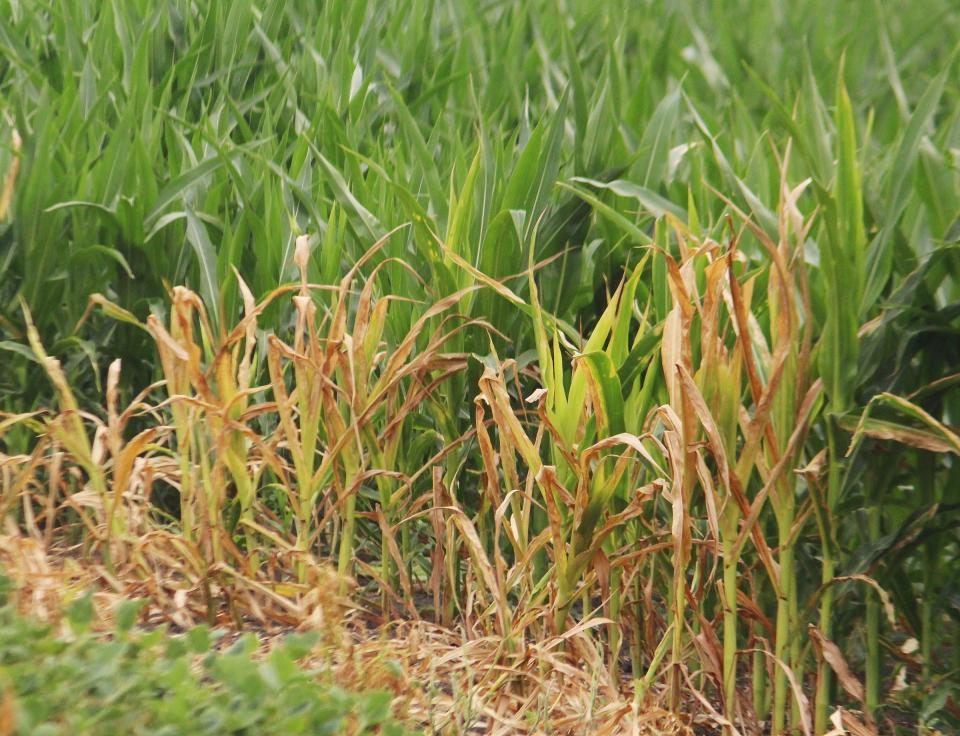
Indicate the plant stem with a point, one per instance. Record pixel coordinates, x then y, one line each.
930 565
781 651
834 480
931 560
636 643
345 560
616 598
796 656
873 623
759 684
729 630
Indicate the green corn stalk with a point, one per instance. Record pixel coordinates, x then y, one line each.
842 274
919 429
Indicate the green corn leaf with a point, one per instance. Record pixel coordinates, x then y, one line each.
657 205
207 261
880 253
655 144
183 183
606 390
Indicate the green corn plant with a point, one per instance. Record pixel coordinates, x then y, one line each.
910 424
615 371
580 519
611 370
897 361
611 351
842 254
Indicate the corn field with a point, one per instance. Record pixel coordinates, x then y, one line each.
600 357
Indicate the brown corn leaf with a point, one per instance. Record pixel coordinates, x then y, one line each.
834 657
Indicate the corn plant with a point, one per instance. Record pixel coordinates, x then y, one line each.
343 421
652 351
